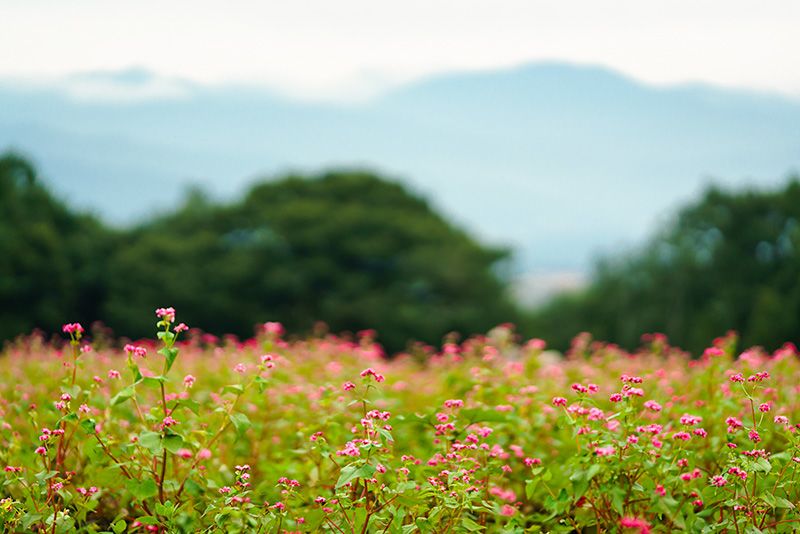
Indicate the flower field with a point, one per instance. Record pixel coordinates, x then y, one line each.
185 433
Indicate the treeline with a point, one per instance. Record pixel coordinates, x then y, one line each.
348 249
730 261
358 252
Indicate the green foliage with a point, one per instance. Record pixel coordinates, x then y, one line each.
493 435
50 258
346 248
729 261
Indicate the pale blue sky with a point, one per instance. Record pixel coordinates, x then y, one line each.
349 48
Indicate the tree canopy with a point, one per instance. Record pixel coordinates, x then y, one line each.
728 261
347 248
49 268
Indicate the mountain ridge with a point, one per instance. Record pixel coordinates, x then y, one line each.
558 161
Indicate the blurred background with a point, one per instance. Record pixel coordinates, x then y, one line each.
416 168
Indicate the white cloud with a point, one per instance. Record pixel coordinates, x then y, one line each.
349 47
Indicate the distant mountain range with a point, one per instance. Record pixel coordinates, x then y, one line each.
557 161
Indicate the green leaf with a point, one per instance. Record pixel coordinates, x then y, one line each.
119 527
169 355
261 382
173 442
406 486
166 337
240 422
137 374
68 418
154 380
192 487
29 519
147 520
762 465
352 471
123 395
88 426
385 434
478 415
470 525
143 489
592 471
237 389
151 441
166 509
530 487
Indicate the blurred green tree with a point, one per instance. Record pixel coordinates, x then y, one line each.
347 248
50 258
729 261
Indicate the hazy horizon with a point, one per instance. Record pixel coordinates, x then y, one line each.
358 48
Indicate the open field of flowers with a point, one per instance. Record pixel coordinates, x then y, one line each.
185 433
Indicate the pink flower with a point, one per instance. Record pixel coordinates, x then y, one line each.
186 454
733 424
204 454
274 328
136 351
737 378
652 405
754 437
536 344
781 420
167 314
350 449
279 506
113 373
348 386
73 329
628 391
635 522
758 377
764 407
532 461
605 451
188 381
508 510
559 401
181 328
660 491
735 471
631 379
40 451
690 420
718 481
454 403
616 397
579 388
373 373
